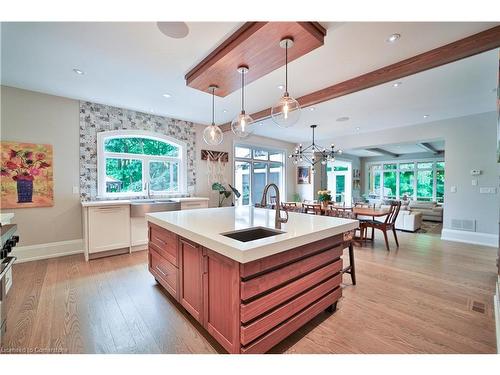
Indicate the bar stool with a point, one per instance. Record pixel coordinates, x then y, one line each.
338 212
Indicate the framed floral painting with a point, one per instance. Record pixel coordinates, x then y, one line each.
26 175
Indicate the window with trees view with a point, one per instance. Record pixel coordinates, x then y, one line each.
135 163
254 168
417 180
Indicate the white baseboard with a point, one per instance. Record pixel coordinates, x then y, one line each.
475 238
47 250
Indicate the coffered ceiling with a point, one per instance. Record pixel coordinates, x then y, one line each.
132 65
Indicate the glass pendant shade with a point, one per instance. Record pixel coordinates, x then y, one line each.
242 125
286 112
212 135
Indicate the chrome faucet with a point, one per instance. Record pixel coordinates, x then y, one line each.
147 186
263 203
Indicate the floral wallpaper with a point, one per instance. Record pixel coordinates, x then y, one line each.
95 118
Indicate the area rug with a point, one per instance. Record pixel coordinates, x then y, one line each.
430 227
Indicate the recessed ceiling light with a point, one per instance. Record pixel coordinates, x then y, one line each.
342 119
224 110
397 84
426 116
79 71
167 96
392 38
312 109
358 128
281 87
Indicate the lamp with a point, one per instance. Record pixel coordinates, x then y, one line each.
212 135
286 112
242 124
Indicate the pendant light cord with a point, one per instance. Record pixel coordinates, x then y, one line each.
242 91
213 105
286 66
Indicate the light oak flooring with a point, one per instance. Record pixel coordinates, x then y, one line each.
417 299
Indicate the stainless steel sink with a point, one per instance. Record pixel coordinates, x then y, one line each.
140 207
252 234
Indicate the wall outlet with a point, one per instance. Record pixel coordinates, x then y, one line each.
488 190
453 189
76 190
474 182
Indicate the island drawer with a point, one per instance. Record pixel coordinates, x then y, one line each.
164 242
267 322
280 276
165 272
267 302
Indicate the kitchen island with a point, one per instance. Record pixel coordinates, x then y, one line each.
247 283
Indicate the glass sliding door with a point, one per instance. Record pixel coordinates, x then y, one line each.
254 168
242 181
259 177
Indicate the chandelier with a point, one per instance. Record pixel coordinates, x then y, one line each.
313 153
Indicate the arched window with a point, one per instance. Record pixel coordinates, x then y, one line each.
140 163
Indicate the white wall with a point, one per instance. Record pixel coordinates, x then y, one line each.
203 187
29 116
470 143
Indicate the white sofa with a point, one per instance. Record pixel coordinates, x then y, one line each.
430 210
407 220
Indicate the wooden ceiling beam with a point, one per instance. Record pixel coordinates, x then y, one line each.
460 49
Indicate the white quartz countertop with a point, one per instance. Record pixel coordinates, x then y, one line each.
204 226
128 201
6 217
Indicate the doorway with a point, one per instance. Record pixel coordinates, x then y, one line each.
339 181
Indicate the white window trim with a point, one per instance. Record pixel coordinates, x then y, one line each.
101 165
251 160
434 160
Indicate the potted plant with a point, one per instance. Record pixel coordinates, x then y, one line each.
224 193
23 167
325 197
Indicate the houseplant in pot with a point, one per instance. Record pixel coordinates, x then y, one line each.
224 193
325 197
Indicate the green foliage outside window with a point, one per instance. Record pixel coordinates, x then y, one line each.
424 185
143 146
123 175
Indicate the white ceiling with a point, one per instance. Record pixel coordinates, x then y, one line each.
400 149
132 64
458 89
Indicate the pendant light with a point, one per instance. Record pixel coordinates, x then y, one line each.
212 135
242 124
286 112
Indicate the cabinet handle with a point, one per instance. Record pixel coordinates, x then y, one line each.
161 271
159 240
109 209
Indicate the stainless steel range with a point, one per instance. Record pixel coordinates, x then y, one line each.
9 240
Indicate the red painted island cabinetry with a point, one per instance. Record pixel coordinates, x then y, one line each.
248 307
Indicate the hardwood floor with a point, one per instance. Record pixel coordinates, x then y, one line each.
417 299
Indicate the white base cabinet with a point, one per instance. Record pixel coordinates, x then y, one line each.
107 228
107 225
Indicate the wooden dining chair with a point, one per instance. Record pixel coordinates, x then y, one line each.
314 209
388 224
